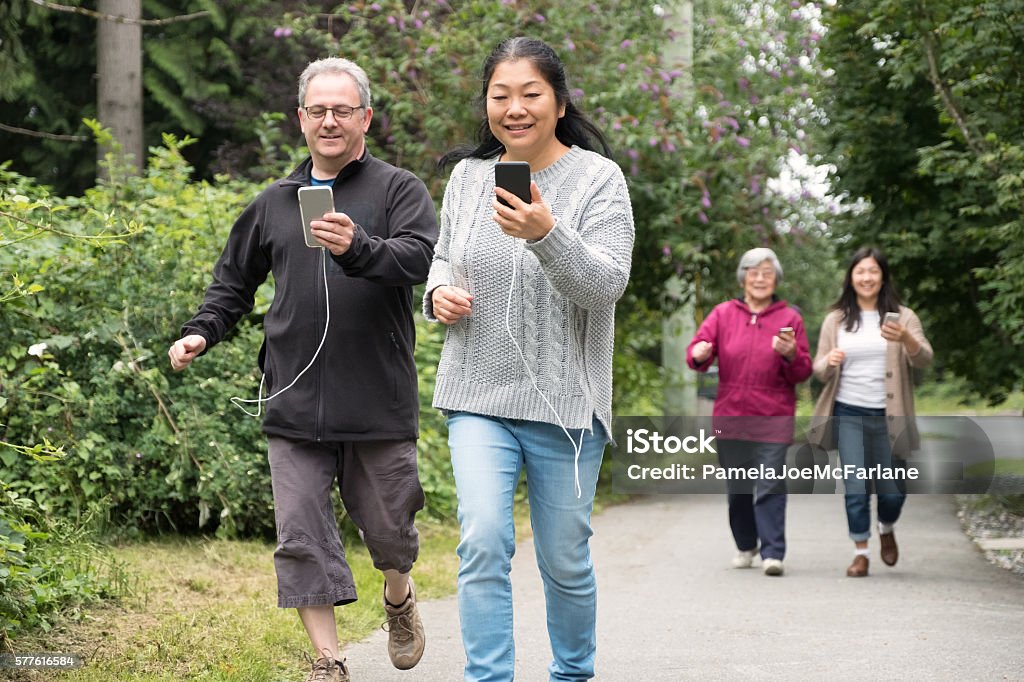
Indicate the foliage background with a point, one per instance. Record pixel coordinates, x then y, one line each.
914 107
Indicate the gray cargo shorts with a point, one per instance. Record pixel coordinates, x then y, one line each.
380 488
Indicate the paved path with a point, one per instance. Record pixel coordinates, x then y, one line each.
670 607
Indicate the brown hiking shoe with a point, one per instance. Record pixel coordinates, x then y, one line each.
326 669
890 550
859 567
406 638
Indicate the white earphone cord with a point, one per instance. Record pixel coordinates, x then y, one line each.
577 447
239 402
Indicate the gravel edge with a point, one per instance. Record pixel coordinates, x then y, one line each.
981 517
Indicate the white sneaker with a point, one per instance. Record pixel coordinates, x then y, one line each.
772 566
744 558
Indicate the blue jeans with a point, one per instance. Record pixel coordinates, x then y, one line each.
864 443
756 512
488 454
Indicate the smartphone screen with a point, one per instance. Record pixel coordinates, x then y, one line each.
314 202
513 176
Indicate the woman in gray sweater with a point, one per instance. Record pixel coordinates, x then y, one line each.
528 293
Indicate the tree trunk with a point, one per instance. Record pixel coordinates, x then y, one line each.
119 87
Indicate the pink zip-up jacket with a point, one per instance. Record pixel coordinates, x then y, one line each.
753 380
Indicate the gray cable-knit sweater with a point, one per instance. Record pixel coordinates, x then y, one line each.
563 298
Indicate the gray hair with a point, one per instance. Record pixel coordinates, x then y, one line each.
755 257
336 65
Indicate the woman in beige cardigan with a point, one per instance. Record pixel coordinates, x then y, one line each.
868 346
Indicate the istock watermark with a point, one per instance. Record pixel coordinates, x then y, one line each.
955 454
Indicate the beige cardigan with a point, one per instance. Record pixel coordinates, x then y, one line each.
899 388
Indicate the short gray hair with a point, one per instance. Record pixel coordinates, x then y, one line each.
755 257
336 65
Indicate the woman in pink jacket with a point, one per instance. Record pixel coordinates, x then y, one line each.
762 352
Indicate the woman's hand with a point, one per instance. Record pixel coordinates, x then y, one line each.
785 345
893 331
896 332
524 221
836 357
701 351
451 304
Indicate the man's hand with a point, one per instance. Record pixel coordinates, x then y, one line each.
185 350
334 232
451 304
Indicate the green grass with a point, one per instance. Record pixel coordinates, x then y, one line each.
946 398
206 610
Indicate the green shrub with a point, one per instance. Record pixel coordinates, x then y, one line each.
47 566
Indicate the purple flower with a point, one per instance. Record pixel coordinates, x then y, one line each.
733 123
617 125
539 18
815 37
431 50
755 187
644 87
419 24
742 141
569 45
633 154
278 32
375 7
703 217
653 142
668 147
743 83
425 14
625 44
622 67
754 99
392 20
576 93
705 200
795 4
741 42
665 251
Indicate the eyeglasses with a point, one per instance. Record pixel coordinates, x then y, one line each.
341 113
763 274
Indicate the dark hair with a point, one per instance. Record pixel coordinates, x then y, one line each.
571 129
888 298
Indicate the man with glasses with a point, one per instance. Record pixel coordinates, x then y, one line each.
338 361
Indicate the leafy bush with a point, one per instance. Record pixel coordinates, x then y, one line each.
46 566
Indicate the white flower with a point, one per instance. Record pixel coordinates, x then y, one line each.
37 349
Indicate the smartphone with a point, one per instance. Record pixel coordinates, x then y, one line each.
891 317
314 202
513 176
785 330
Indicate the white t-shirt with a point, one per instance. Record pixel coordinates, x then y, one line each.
862 375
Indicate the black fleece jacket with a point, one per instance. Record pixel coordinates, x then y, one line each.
363 384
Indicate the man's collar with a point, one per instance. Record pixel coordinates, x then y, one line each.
350 168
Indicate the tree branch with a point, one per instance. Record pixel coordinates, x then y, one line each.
944 93
70 235
46 136
119 19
